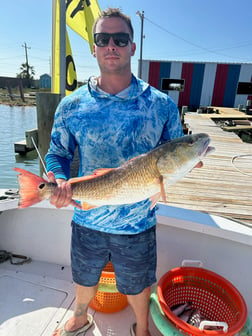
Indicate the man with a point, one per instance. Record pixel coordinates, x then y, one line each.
112 119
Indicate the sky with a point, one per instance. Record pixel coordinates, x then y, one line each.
178 30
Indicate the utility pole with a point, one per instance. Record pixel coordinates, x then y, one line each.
141 15
26 57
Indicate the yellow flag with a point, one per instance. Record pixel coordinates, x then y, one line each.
80 16
71 77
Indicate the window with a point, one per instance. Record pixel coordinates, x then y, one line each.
169 84
244 88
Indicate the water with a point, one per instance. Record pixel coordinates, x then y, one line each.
14 121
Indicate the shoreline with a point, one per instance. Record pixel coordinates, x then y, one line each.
15 99
17 102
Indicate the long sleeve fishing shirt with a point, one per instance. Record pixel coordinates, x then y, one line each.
109 130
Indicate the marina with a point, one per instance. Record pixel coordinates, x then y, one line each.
195 224
203 230
223 186
15 121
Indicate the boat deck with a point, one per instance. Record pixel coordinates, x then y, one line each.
38 297
223 186
41 302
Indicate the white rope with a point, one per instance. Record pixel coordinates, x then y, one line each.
239 156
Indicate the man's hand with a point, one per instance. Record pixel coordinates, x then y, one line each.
62 195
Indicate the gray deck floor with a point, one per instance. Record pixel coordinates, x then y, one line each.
36 302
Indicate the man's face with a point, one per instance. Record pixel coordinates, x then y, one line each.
112 58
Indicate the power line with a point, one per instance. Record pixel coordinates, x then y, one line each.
192 43
177 36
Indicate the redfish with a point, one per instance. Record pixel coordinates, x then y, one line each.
145 177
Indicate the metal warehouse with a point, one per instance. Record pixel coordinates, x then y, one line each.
197 84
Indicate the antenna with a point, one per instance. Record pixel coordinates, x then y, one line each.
40 158
141 15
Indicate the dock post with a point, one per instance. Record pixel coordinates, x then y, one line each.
46 105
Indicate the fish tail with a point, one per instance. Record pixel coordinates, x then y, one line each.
30 186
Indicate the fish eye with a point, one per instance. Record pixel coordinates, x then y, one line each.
42 185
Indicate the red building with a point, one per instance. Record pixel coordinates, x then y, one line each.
197 84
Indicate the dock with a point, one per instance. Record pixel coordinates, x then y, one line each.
223 186
27 145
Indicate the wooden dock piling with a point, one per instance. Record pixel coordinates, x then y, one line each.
27 145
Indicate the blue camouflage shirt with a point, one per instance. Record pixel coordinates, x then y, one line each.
108 130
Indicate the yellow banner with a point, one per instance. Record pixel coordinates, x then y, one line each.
80 16
71 77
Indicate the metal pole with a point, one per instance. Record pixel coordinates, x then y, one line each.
141 15
59 41
53 45
62 48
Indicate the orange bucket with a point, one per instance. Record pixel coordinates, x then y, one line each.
215 297
107 298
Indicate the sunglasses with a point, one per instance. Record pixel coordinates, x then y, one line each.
120 39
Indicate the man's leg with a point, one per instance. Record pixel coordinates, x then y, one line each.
134 260
83 296
140 305
88 258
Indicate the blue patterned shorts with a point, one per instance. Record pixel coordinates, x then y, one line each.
133 257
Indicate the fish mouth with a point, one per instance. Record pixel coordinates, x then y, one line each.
206 149
209 150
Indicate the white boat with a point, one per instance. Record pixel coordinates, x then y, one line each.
38 297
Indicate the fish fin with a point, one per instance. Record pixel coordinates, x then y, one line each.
87 206
162 189
29 185
102 171
80 179
98 172
154 199
132 159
